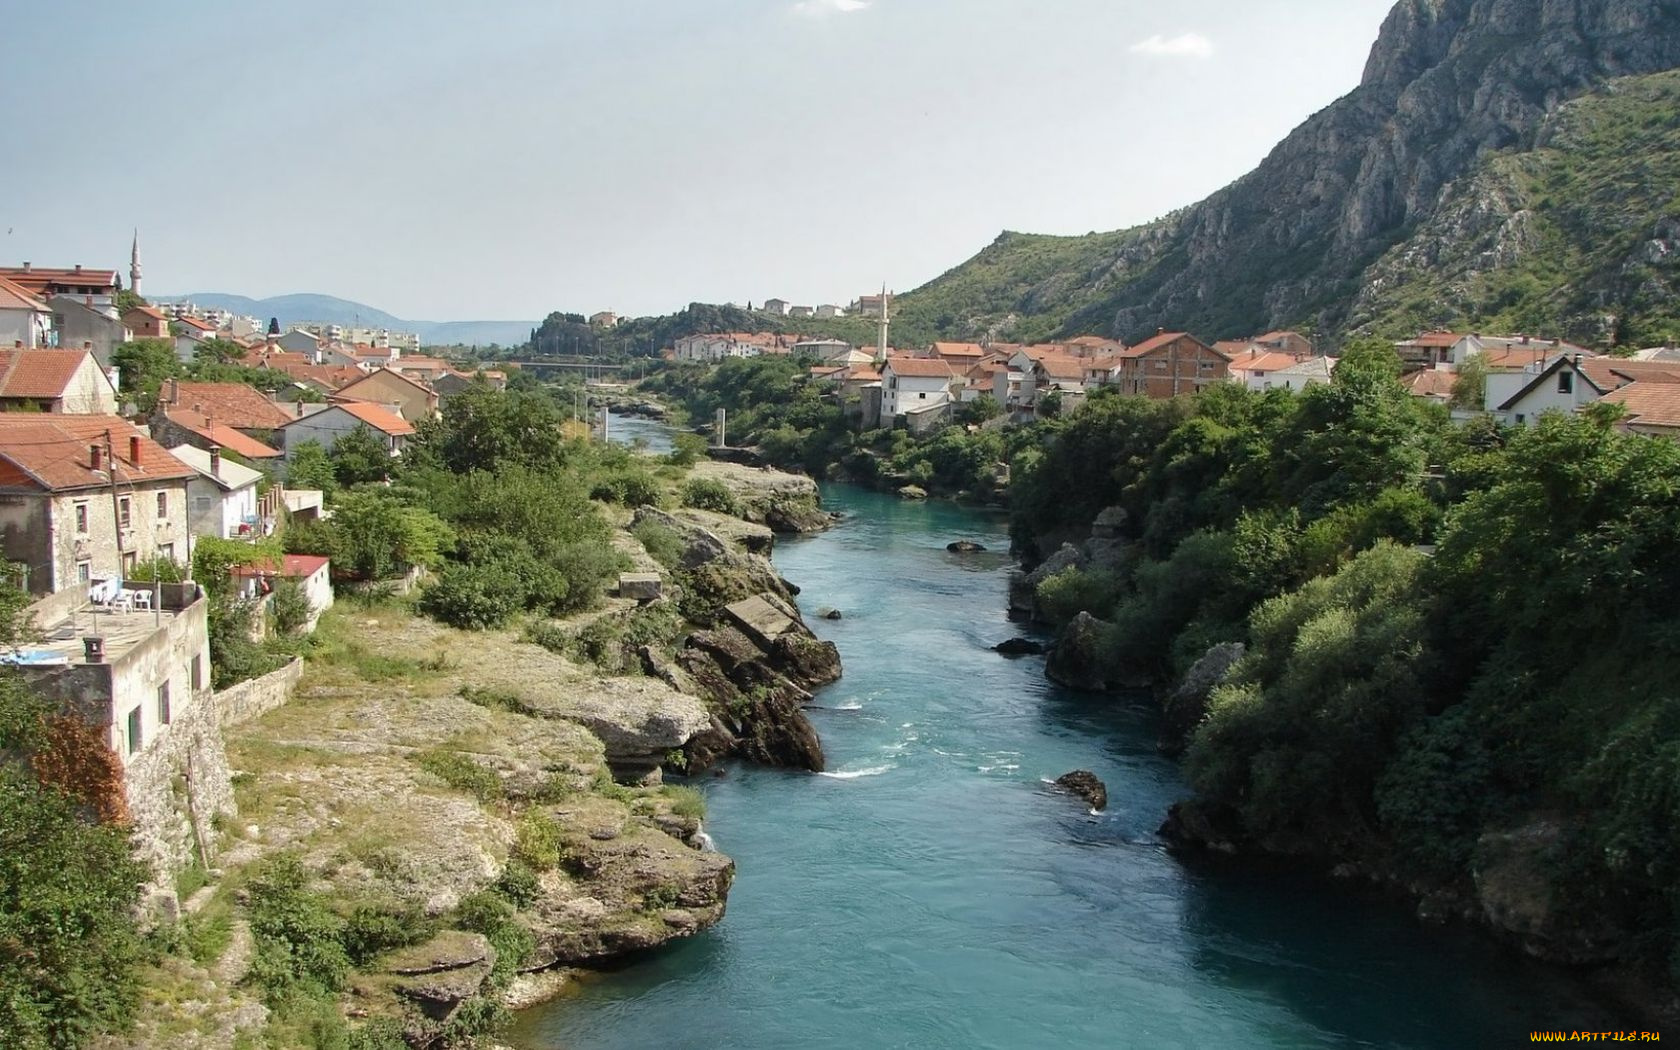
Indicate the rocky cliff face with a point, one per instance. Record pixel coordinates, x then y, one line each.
1448 82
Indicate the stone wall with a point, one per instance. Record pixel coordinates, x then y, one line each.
176 788
248 700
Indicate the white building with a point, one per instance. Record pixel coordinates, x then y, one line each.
779 307
913 384
1299 376
26 321
222 500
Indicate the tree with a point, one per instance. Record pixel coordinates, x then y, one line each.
309 467
274 326
219 351
360 457
374 535
142 367
69 888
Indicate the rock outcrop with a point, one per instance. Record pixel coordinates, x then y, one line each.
1447 82
1077 660
1185 707
1515 875
1019 647
786 503
1085 784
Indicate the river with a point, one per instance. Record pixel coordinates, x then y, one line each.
932 891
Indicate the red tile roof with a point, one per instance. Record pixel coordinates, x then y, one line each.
1061 366
1431 383
293 566
52 452
193 322
237 405
220 433
1648 404
14 296
1435 340
958 350
38 280
378 417
1611 373
1262 361
1149 346
38 373
919 367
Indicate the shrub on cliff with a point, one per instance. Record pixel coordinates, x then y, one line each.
68 893
709 494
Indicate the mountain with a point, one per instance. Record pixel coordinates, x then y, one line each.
291 309
1500 159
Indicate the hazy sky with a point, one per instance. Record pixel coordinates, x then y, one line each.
505 158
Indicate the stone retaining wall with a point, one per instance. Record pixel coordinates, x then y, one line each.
247 700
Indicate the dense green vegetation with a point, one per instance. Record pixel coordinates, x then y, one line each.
1452 632
69 886
797 424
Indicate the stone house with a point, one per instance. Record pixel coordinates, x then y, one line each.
1171 364
414 399
147 322
87 497
55 382
312 572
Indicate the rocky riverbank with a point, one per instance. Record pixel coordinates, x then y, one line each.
421 771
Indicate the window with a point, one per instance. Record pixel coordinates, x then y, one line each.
198 672
84 571
163 704
163 505
129 560
166 551
122 513
921 397
1521 418
81 519
1566 382
134 741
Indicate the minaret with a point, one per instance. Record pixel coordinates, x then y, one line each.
134 265
886 323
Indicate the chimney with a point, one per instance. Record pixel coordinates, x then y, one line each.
87 344
96 457
215 461
78 267
87 300
174 390
134 449
26 266
93 648
300 408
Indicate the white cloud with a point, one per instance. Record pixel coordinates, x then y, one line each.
1185 45
825 8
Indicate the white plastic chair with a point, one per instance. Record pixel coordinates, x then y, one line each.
141 599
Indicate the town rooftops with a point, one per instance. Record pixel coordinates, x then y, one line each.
237 405
223 472
1061 366
378 417
1163 339
14 296
199 326
219 433
38 373
1431 383
918 367
56 453
973 350
1434 340
1312 368
1263 362
43 281
1648 404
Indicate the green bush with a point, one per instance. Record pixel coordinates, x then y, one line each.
1072 591
537 842
299 950
290 606
660 541
370 931
518 883
709 494
473 597
461 773
686 801
686 450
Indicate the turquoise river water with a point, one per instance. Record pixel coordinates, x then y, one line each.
932 891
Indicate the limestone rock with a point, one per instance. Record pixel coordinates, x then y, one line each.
1077 660
1019 647
1516 889
912 492
443 973
1085 785
965 547
786 503
1185 708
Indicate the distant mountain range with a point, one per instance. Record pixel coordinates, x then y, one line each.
293 309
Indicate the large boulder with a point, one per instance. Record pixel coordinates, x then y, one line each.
1184 709
1085 784
1078 659
786 503
1515 878
443 973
